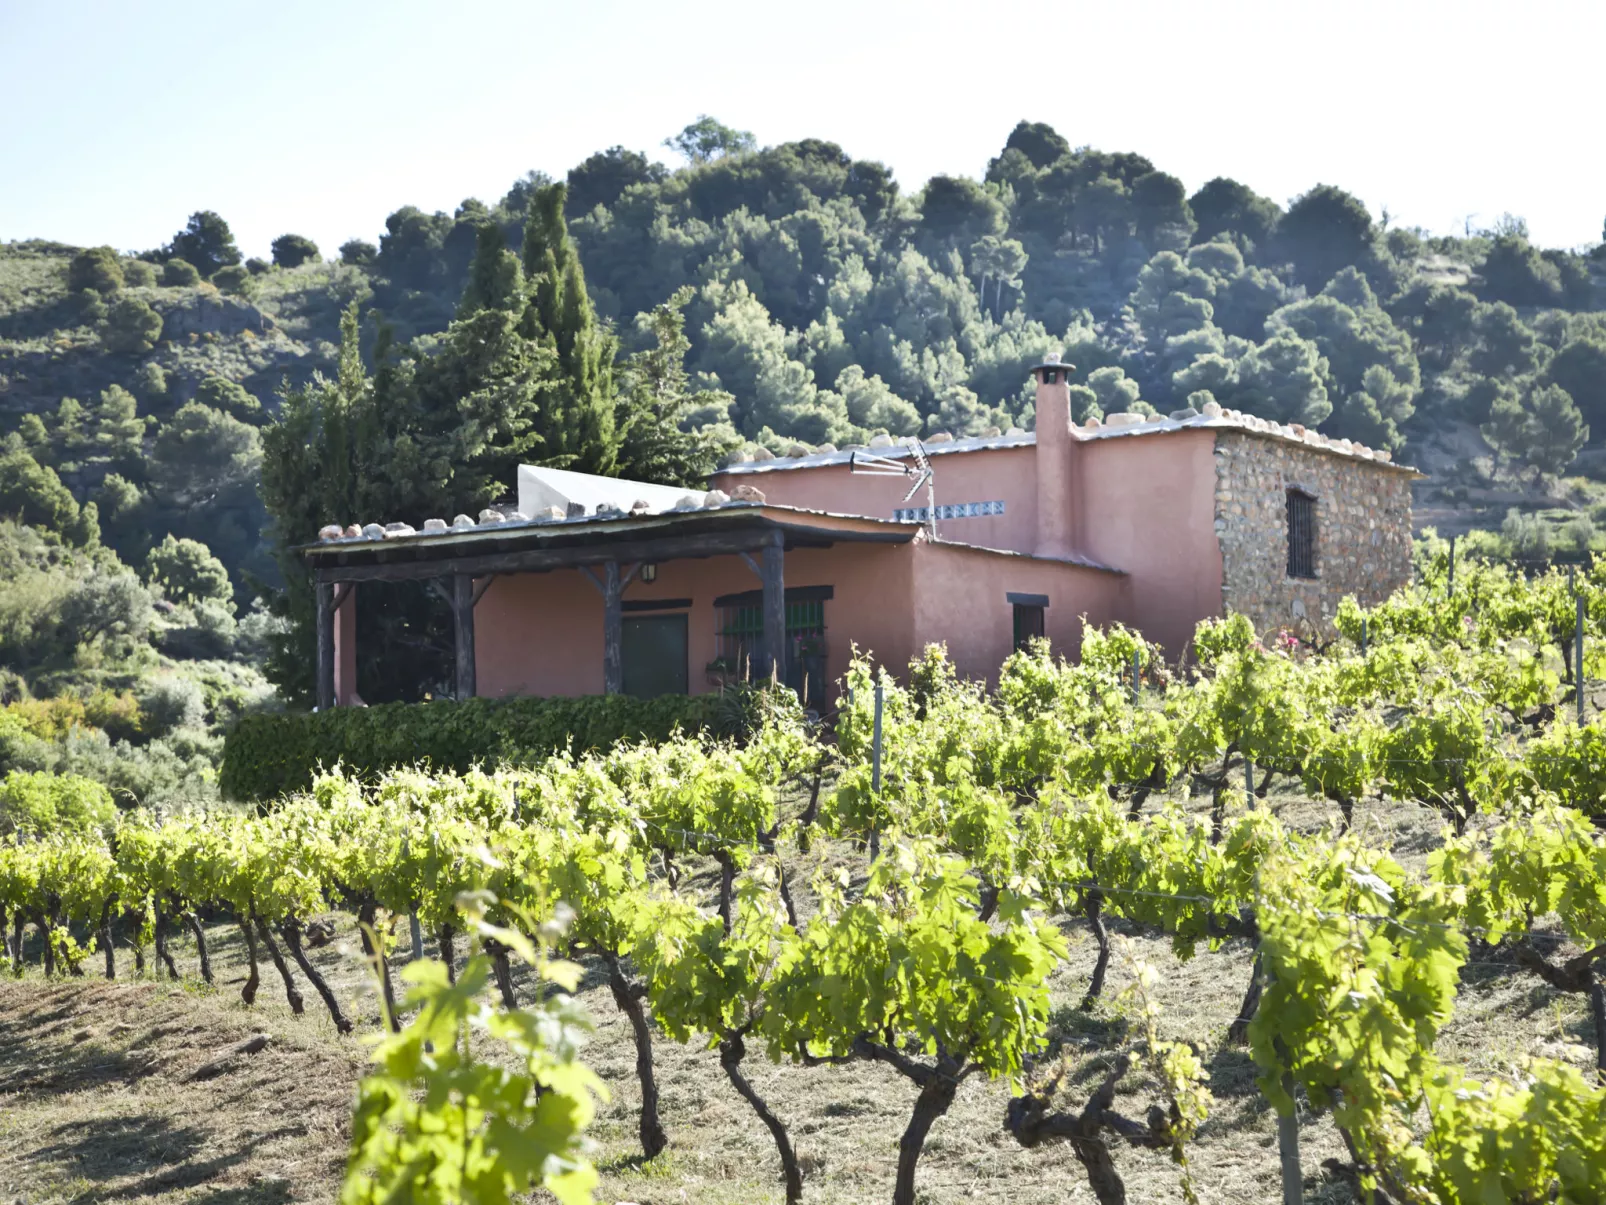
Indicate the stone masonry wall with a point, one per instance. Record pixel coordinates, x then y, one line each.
1363 530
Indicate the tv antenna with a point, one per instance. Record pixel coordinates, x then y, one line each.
918 467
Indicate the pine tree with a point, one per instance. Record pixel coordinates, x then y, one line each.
657 399
577 427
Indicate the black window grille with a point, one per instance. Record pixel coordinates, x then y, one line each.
1301 534
740 637
1028 625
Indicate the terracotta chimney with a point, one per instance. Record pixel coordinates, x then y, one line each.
1054 440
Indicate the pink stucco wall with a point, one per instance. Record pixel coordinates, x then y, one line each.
959 599
541 634
1007 475
1146 505
1143 504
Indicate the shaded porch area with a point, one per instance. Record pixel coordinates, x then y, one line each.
654 603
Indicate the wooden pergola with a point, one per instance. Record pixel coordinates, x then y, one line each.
459 564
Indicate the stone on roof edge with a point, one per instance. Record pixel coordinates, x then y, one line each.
489 529
1264 427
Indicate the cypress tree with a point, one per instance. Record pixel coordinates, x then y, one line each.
495 280
577 427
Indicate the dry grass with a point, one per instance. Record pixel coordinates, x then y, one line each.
94 1107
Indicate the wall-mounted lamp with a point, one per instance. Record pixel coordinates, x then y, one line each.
649 573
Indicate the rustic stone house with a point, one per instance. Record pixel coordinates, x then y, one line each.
788 562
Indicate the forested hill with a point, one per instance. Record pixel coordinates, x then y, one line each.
826 303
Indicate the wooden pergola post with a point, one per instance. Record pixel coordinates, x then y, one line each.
773 576
613 661
463 626
324 602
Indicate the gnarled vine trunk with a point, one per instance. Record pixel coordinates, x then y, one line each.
936 1097
1238 1031
105 934
628 997
49 954
297 1005
253 979
1093 909
291 930
163 956
194 923
502 972
447 954
731 1053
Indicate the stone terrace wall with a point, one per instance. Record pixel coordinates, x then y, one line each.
1363 530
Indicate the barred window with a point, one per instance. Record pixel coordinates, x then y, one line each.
1301 534
739 637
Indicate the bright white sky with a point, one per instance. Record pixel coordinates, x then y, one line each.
117 120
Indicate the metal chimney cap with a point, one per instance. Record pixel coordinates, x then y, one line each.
1052 360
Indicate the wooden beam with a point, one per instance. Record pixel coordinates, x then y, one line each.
540 560
485 584
758 572
774 608
463 623
439 591
342 592
324 672
613 667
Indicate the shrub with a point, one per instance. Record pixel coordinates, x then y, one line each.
143 774
132 326
91 308
96 268
117 715
266 756
172 702
235 278
231 397
205 631
137 274
150 382
19 748
258 266
49 719
54 719
1527 535
37 803
13 686
180 274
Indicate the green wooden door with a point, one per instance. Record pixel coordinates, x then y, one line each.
654 648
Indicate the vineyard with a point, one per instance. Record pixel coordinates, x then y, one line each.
938 886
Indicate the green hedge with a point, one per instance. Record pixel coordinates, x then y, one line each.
265 756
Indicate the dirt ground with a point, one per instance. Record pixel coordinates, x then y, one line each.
96 1104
